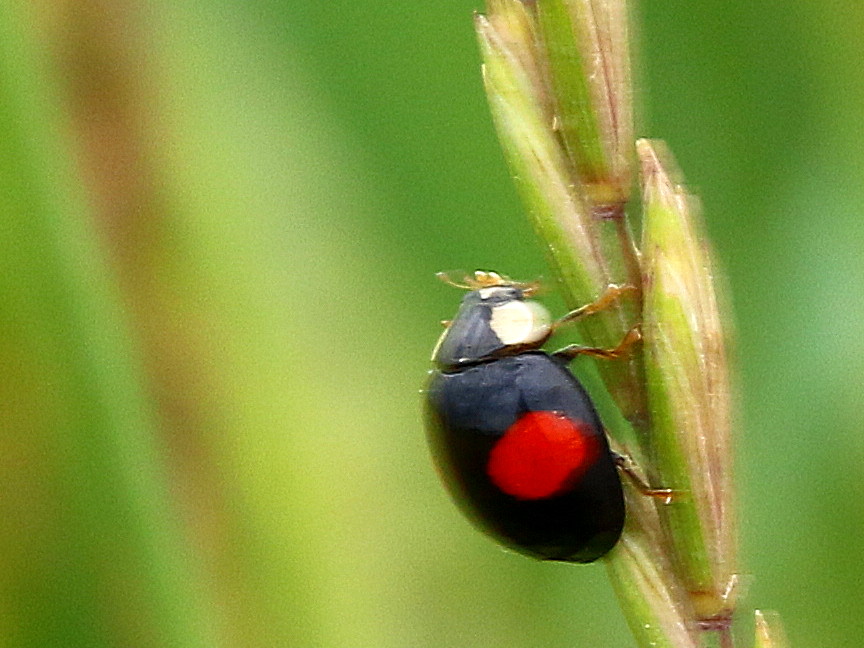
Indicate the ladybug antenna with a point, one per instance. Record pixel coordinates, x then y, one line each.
489 279
530 288
447 279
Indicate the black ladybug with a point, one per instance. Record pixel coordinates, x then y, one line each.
515 436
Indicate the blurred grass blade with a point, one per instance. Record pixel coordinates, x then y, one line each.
688 387
92 550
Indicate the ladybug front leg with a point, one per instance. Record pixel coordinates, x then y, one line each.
569 352
612 294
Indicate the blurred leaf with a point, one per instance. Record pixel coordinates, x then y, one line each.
94 556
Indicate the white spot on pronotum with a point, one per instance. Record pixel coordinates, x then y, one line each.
520 322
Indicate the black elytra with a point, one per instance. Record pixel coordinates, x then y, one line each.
514 434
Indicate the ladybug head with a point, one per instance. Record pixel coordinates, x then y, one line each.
494 320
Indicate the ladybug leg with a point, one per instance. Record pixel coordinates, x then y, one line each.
626 465
612 294
573 350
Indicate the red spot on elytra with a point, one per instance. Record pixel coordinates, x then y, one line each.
541 454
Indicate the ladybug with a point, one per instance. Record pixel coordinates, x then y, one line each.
515 436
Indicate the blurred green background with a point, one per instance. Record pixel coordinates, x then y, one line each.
219 225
